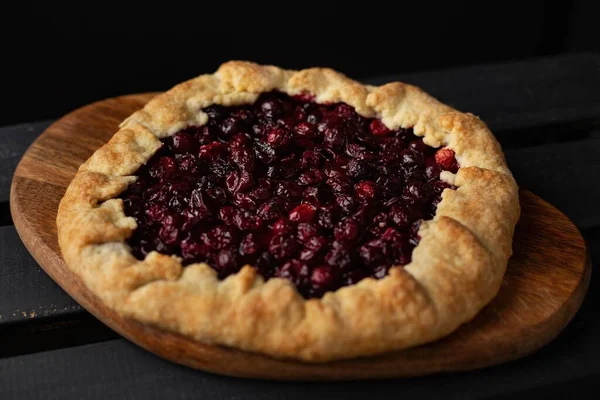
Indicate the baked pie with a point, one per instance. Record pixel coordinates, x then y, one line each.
298 214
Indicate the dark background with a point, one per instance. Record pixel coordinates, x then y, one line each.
56 60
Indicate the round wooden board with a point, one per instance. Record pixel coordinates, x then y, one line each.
545 283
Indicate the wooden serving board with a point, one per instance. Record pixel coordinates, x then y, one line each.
545 283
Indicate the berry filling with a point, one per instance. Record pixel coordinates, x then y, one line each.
313 193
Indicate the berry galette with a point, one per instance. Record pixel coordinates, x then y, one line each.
298 214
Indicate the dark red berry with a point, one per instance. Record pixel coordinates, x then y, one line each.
282 226
445 158
306 230
210 152
164 168
183 143
365 191
323 277
347 230
283 246
302 213
378 128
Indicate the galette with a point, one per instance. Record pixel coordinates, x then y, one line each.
296 214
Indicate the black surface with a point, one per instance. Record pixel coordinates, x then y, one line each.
72 55
518 95
565 174
544 112
26 292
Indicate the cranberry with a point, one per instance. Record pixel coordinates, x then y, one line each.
339 256
288 190
279 137
306 230
243 157
189 163
239 182
345 202
365 191
339 185
311 177
432 172
327 217
244 201
264 153
378 128
411 158
306 130
282 226
295 271
310 159
418 146
446 160
200 201
246 221
217 195
313 193
210 152
379 224
302 213
250 244
230 126
323 277
170 230
345 111
414 232
215 112
207 134
317 196
227 215
358 169
355 276
313 248
272 108
334 136
227 262
373 253
183 143
347 230
219 237
156 212
193 250
164 168
355 150
271 210
401 216
416 192
243 115
283 246
265 263
133 207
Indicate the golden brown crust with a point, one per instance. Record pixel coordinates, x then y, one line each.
456 269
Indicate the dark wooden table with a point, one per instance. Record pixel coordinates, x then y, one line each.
546 114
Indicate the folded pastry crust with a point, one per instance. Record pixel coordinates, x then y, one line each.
456 268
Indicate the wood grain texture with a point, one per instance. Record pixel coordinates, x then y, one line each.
544 286
14 140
